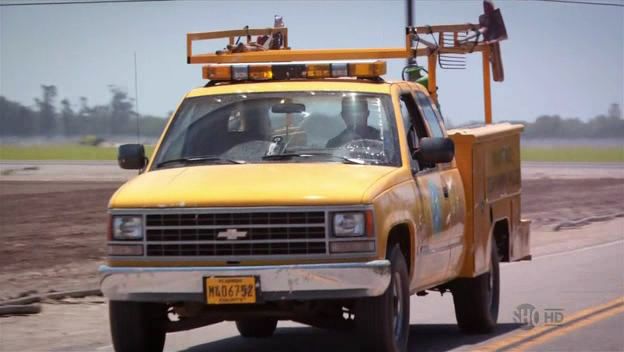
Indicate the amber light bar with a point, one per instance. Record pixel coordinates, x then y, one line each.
265 72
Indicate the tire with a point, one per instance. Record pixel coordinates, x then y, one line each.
383 322
476 300
137 326
256 328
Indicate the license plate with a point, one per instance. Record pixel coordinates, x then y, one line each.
230 290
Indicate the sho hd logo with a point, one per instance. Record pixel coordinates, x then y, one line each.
529 316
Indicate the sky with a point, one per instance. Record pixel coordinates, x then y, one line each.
560 58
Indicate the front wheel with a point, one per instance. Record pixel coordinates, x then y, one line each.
383 322
138 326
477 299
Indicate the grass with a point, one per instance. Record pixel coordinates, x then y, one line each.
60 152
573 154
82 152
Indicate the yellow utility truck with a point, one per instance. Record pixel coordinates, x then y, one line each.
300 185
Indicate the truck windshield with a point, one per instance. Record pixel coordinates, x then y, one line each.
348 127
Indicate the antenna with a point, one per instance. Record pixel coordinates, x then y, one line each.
410 23
136 100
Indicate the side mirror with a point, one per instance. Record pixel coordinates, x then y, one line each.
435 150
131 156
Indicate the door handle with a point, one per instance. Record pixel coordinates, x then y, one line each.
445 191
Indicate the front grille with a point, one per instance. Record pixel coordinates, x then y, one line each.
236 234
233 219
236 249
253 234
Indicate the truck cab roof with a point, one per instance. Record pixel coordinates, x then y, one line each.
347 85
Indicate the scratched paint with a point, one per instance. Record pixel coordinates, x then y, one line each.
456 203
436 207
453 206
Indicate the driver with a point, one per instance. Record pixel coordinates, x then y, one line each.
355 115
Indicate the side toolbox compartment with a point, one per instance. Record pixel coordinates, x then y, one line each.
488 159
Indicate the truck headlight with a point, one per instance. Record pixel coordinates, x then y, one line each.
349 224
127 227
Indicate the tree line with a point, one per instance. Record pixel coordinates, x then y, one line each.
609 125
118 118
47 119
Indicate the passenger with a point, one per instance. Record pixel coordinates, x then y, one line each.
355 115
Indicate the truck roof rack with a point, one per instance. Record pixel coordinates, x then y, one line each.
272 46
284 53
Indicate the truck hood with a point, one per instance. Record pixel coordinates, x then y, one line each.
256 185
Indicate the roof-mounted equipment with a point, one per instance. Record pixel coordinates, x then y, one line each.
440 44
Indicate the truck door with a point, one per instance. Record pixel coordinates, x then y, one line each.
432 251
452 207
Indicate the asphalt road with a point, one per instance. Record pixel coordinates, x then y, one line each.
586 287
569 282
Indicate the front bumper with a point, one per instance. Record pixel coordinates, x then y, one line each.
278 282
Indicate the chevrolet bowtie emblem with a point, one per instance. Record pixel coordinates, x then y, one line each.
232 234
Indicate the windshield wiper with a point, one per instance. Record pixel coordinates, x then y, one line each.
198 160
287 156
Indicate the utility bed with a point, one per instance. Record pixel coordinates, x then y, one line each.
488 159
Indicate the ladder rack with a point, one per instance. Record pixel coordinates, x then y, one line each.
421 41
286 54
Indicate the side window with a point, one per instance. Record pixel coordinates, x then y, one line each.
412 138
405 116
414 125
430 115
415 120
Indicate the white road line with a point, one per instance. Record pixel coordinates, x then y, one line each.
578 250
